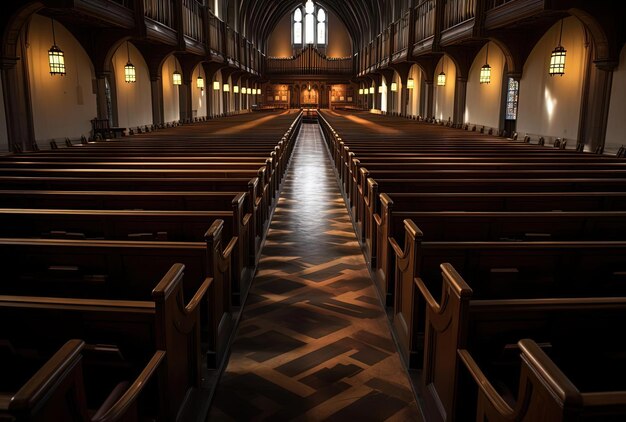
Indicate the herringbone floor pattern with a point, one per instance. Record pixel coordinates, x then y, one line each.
313 342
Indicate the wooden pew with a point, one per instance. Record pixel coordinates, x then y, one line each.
486 327
123 270
497 268
545 392
62 388
137 328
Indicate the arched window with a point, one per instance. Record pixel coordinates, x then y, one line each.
297 26
313 28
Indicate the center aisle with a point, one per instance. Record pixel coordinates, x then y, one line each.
313 342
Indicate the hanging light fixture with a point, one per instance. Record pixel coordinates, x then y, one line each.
557 60
130 74
177 78
243 89
56 57
371 89
380 89
441 79
485 71
226 87
216 85
410 83
360 91
236 89
394 87
200 83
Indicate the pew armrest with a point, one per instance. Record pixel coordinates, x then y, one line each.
396 248
486 388
129 398
430 300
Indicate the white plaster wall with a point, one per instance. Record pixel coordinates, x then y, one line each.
171 100
484 100
549 106
383 95
231 96
616 129
4 137
63 106
134 100
397 97
216 97
198 96
413 108
444 95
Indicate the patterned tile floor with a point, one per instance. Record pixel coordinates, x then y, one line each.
313 342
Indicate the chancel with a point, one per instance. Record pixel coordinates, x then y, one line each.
355 210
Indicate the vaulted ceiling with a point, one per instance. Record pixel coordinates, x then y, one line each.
258 18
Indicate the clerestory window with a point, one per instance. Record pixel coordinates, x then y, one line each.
309 25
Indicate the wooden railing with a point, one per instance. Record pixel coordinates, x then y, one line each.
193 24
160 11
425 20
309 62
231 43
457 11
401 33
215 33
492 4
385 45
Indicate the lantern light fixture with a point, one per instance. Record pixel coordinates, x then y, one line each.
380 89
371 89
410 83
130 73
441 78
200 83
216 85
557 59
360 91
177 78
394 87
226 87
236 89
243 89
56 57
485 71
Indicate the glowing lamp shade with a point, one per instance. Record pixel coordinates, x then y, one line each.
177 78
56 57
441 79
394 87
380 89
410 83
485 74
557 61
226 88
236 89
360 91
371 89
216 85
243 89
200 82
130 73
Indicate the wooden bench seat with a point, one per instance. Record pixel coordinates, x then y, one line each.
487 327
587 268
137 328
33 387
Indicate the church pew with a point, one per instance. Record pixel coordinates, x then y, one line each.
486 327
126 270
177 226
496 268
451 226
62 388
545 392
138 328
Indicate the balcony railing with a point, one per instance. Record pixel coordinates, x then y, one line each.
457 11
193 24
309 62
160 11
492 4
386 46
425 20
215 33
401 33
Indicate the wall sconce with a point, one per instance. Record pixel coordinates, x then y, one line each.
200 83
441 79
485 71
226 87
371 89
410 83
130 73
56 57
360 91
236 89
216 85
557 60
394 87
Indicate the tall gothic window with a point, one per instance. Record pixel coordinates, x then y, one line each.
512 98
310 28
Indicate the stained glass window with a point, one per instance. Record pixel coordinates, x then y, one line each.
512 98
